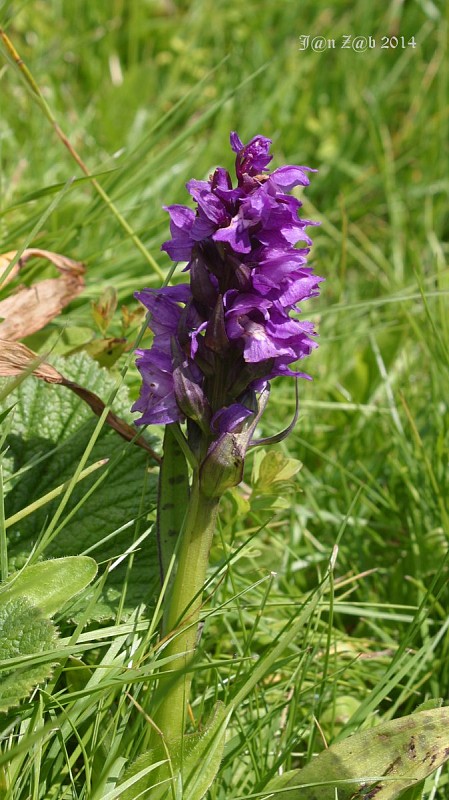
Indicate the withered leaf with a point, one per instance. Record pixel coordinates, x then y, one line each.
104 308
31 308
106 351
16 359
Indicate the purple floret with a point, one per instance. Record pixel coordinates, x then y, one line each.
235 326
157 400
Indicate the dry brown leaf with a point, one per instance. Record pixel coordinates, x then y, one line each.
29 309
16 359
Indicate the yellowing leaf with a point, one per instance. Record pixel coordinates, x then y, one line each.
103 310
375 764
275 467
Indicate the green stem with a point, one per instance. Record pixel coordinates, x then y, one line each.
184 605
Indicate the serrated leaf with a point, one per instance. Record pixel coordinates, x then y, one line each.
379 763
23 631
50 584
51 429
194 763
19 361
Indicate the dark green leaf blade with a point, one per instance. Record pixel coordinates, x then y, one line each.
50 431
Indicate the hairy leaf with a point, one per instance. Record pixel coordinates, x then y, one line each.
50 584
17 359
50 431
193 763
23 631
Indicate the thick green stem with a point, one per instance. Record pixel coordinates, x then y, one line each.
184 610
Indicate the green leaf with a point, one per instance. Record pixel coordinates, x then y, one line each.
23 631
104 308
272 467
50 430
201 766
379 763
4 414
50 584
54 188
194 763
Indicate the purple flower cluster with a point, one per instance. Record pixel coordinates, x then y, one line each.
223 336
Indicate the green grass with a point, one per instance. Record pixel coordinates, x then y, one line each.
147 92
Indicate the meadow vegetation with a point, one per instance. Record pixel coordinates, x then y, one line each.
147 92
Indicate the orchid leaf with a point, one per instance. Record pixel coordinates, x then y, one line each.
375 764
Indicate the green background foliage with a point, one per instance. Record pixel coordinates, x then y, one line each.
50 431
147 91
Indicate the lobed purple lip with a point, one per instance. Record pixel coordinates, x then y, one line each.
223 336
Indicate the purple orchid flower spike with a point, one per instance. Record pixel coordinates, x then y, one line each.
219 340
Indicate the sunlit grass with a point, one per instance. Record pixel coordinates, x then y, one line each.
147 93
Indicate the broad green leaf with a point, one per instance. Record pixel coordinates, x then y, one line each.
379 763
77 674
193 764
23 631
42 501
50 584
50 430
339 712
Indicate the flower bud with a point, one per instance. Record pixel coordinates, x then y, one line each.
223 466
